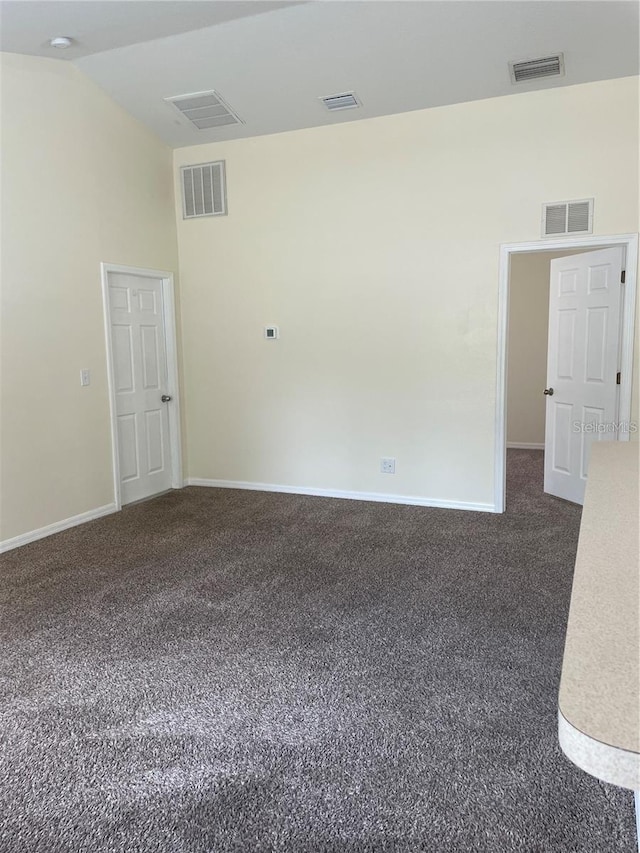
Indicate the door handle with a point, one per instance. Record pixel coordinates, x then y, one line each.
166 398
547 391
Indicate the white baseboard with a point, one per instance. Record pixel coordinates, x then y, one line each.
108 509
56 527
523 445
410 500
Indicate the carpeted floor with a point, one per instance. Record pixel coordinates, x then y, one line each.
233 671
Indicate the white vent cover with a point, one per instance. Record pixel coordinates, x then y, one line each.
532 69
204 190
567 217
344 101
204 110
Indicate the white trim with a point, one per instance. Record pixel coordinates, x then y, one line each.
56 527
524 445
630 243
171 341
378 497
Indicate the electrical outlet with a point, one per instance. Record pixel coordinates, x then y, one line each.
388 465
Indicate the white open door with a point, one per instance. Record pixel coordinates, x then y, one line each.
582 366
140 385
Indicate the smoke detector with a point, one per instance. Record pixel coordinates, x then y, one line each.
61 42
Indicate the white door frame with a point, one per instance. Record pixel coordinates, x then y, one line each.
171 341
630 243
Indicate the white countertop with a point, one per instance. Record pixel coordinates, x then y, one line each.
599 700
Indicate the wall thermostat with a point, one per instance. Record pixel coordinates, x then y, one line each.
271 333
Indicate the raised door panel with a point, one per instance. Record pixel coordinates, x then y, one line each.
149 344
128 447
147 301
122 345
596 344
592 419
561 437
155 441
565 344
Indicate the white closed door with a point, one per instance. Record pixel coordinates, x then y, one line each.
139 376
582 366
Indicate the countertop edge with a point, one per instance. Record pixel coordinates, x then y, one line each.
607 763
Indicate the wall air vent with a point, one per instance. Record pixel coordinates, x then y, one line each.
560 218
532 69
345 101
204 110
204 190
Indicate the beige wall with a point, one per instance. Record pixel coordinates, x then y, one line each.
373 244
82 182
527 348
375 247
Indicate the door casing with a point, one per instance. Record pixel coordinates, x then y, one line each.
171 341
630 243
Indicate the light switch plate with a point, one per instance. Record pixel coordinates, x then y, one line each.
85 377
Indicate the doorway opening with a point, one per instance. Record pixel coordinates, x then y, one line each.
513 258
142 370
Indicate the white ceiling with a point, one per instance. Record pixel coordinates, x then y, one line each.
271 62
27 26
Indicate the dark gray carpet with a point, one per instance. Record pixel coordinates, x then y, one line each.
225 670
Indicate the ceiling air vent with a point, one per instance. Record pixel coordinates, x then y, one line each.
345 101
204 110
532 69
204 190
567 217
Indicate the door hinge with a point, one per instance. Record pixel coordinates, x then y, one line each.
618 378
623 277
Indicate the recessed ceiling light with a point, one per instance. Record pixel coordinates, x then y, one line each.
61 42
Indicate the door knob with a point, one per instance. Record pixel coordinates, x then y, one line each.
547 391
166 398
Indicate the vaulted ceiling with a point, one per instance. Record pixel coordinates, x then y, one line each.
273 61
